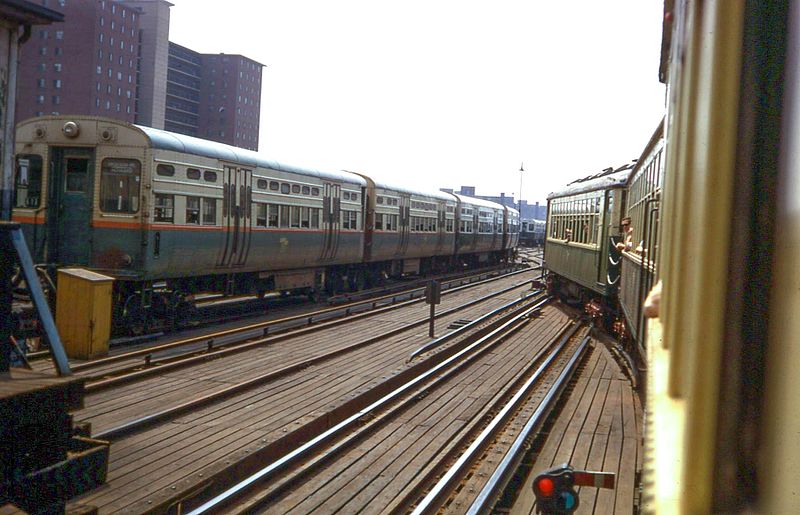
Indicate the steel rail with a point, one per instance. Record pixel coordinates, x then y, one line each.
239 488
449 336
97 383
309 317
143 422
499 480
454 474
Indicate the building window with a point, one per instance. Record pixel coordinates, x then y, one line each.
59 34
58 51
101 34
119 186
57 83
57 67
42 34
193 210
56 99
163 208
40 99
99 70
40 83
42 67
43 50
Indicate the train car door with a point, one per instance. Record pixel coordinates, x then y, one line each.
405 224
236 216
331 220
441 208
70 203
505 226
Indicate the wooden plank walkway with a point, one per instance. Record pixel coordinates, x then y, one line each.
599 428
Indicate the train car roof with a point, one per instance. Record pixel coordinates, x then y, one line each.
481 202
607 179
441 195
164 140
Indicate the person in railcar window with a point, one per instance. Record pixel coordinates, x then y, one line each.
627 231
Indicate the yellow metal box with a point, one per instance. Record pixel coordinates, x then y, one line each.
83 312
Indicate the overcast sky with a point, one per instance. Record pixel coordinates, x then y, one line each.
441 93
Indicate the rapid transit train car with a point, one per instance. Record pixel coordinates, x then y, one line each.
532 233
170 215
583 228
723 414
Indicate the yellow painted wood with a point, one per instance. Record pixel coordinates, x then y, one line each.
83 312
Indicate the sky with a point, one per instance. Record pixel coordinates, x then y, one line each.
441 93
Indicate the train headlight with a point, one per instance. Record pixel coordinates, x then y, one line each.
71 130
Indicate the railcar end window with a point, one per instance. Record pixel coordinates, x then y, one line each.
165 170
119 185
28 181
164 208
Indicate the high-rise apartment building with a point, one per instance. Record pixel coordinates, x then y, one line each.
84 65
113 58
231 99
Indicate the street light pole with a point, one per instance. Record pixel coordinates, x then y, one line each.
521 169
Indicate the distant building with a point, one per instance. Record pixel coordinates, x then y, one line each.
527 211
113 58
84 65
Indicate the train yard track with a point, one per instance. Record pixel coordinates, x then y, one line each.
177 434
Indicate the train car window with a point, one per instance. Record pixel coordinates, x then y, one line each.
284 216
274 185
295 188
165 170
354 197
209 211
315 212
379 200
306 190
119 185
285 188
209 176
304 218
272 215
28 181
192 173
346 195
193 210
164 208
449 225
261 215
295 210
261 184
379 221
315 192
349 219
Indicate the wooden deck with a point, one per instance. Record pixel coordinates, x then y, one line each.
599 428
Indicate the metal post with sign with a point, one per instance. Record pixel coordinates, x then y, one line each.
433 296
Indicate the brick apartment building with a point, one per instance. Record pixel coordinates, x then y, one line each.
113 58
